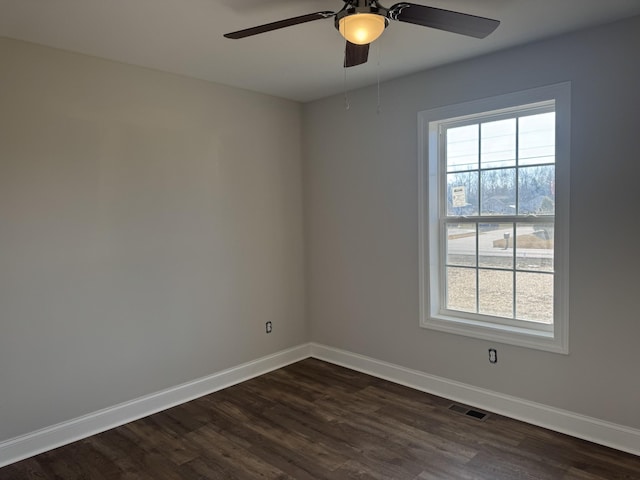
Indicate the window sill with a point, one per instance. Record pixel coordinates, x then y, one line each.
522 337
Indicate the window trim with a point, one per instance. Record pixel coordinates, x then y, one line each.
429 121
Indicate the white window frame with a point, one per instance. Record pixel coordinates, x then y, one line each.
554 338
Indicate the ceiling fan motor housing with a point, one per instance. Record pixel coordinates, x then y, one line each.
355 7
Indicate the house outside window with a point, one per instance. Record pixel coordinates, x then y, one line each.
494 217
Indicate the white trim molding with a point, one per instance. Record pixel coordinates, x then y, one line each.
40 441
587 428
598 431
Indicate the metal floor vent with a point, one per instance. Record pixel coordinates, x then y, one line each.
469 412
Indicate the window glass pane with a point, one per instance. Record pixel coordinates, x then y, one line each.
498 192
462 194
495 291
536 190
534 246
498 144
537 139
461 244
461 289
495 245
534 297
462 148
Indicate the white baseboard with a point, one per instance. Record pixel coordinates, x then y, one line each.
581 426
598 431
40 441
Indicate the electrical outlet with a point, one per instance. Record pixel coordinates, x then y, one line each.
493 355
268 327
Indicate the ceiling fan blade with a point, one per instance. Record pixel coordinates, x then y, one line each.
355 54
456 22
280 24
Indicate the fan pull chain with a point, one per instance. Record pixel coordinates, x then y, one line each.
347 103
378 108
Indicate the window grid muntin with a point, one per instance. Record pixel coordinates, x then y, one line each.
446 219
511 321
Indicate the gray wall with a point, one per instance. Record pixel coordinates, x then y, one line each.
149 225
361 221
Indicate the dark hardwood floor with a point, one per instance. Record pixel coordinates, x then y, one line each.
313 420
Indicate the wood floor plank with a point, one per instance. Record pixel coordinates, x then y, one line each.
577 474
509 463
129 468
220 450
450 471
316 421
356 470
175 449
29 469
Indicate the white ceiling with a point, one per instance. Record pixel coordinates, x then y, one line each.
301 63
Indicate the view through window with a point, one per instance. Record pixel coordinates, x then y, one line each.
499 220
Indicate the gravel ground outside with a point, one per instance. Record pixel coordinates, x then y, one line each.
533 298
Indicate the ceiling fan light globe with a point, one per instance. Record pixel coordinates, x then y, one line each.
362 28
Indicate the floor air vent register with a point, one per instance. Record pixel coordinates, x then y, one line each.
469 412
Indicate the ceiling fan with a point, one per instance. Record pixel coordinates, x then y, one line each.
361 22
